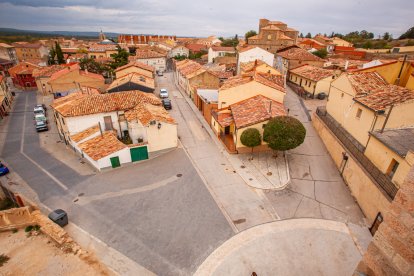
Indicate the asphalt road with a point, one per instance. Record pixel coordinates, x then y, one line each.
158 212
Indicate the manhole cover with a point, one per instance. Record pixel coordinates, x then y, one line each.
269 173
179 175
76 200
250 179
81 194
223 164
242 166
234 171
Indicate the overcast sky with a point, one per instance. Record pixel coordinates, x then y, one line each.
207 17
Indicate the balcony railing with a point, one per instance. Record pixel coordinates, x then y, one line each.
357 150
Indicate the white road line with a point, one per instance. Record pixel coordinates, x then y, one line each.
63 186
88 199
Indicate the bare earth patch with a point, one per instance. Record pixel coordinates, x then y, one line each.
38 255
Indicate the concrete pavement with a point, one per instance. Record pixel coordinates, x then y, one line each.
288 247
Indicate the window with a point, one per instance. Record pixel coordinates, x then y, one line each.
63 120
264 125
309 84
392 168
333 77
269 37
359 112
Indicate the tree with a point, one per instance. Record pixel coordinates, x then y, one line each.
322 53
284 133
52 56
120 58
230 42
386 36
301 35
251 138
59 54
408 34
93 66
308 35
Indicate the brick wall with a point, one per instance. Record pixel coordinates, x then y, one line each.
391 252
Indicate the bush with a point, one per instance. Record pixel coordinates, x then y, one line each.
3 259
251 138
28 228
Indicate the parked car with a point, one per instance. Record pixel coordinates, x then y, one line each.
3 169
166 103
160 73
40 117
41 126
38 109
163 93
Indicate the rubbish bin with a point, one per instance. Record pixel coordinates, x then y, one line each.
321 96
59 217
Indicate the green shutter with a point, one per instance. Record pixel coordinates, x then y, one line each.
138 154
115 162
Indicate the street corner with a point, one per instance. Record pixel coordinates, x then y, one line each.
318 246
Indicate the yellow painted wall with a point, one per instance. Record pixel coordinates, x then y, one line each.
239 132
43 85
239 93
410 82
312 86
162 138
72 79
382 157
369 197
134 69
340 98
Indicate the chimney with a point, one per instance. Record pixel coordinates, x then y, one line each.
346 65
86 70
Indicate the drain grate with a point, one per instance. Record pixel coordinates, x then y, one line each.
76 200
81 194
238 221
179 175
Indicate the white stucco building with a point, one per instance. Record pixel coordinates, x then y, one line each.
109 130
252 53
219 51
151 58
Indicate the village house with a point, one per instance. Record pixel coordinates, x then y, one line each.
258 66
31 51
230 122
132 81
292 57
6 98
5 65
341 42
22 75
111 129
395 72
152 58
209 41
313 80
43 74
312 45
219 51
179 51
71 78
206 101
8 52
253 53
195 48
190 74
273 35
135 67
97 51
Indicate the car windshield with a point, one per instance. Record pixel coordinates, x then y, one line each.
40 123
40 117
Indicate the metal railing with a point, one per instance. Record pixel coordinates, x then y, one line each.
357 150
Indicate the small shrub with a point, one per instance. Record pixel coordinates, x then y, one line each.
14 231
28 228
3 259
36 228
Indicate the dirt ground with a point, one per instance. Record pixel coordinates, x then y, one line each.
38 255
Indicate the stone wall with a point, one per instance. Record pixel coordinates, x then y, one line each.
369 197
15 218
391 252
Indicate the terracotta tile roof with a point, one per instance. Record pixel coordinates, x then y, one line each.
134 78
146 112
365 82
85 134
255 110
223 49
188 67
196 47
271 80
101 146
251 65
221 74
271 28
91 75
386 96
23 67
102 48
82 104
312 73
224 119
253 37
298 54
246 48
59 73
137 64
285 37
27 45
4 45
148 54
47 71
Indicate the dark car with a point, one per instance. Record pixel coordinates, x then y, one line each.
41 126
166 103
3 169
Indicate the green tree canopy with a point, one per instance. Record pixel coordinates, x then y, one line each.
59 54
251 138
386 36
308 35
408 34
93 66
52 56
284 133
230 42
120 58
322 53
250 34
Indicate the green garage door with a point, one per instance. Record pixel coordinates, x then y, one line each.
115 162
138 154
